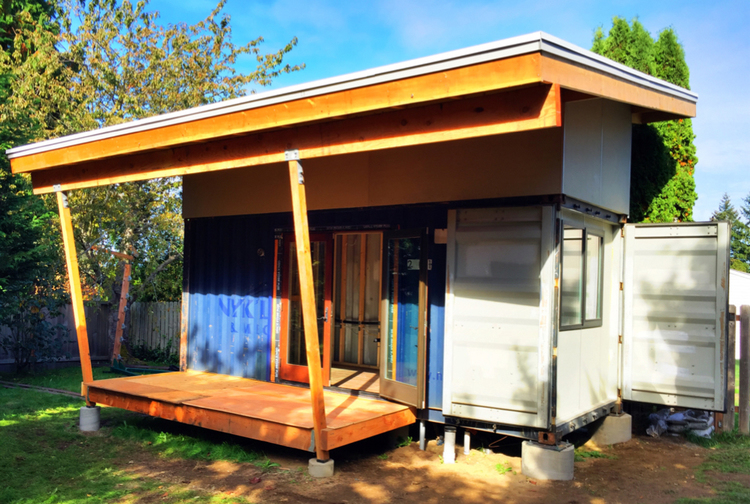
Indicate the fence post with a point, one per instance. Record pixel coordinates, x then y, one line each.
728 425
745 369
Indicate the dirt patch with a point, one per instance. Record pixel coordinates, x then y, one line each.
642 470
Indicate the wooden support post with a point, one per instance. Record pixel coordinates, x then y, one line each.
121 312
728 421
307 296
745 369
76 295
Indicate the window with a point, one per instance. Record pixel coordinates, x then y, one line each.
582 273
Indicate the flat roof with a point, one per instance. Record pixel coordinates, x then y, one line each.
538 42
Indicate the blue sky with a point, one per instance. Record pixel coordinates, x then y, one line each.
338 37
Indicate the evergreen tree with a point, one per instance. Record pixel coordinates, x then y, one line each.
739 252
662 187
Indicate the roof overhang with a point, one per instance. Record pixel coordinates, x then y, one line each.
512 85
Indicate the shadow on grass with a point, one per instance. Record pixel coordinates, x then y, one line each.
45 459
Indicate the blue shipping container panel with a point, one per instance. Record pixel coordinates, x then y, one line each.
229 270
229 277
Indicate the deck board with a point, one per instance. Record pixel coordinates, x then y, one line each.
271 412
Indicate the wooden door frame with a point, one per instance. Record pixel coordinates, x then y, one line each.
296 372
336 286
392 389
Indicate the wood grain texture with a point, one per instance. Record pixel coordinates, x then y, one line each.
307 300
265 411
76 294
121 312
512 111
184 321
576 78
484 77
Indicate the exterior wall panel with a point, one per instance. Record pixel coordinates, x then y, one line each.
596 160
230 277
498 315
675 306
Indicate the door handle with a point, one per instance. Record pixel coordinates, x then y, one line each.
324 318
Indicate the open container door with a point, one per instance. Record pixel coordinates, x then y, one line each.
675 305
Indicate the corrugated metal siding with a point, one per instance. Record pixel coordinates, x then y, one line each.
498 313
675 303
229 276
230 285
435 344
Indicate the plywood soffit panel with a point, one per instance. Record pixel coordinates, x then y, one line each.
455 83
523 109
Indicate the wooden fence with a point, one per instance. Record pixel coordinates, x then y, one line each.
153 325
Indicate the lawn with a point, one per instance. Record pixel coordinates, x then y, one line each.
45 459
68 378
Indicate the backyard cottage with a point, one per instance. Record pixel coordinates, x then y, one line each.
441 240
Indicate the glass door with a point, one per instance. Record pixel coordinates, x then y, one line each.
293 353
357 299
403 316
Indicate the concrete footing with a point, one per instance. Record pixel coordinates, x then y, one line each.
613 429
467 442
423 435
547 462
449 445
88 420
320 469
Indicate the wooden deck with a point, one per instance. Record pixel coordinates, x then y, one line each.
270 412
356 379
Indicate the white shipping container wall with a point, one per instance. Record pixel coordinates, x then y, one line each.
739 294
587 358
499 315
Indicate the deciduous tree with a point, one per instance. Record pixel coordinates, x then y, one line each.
103 62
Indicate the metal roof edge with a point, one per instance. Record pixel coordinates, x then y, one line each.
514 46
566 50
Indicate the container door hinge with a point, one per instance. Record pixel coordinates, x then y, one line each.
619 339
621 286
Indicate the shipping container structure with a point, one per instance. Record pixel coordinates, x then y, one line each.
465 249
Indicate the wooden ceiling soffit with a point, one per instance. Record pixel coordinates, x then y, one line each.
529 108
585 80
485 77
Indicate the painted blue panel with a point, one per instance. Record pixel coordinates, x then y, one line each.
228 274
436 282
229 269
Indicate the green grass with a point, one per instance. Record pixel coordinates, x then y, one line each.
45 459
730 454
401 442
64 379
503 468
581 455
173 440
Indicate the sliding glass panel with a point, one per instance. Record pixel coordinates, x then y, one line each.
358 273
572 277
594 260
297 353
402 331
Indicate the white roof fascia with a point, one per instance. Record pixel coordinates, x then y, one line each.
515 46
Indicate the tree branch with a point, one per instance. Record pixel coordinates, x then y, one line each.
137 291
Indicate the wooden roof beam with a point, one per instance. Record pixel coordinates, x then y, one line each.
524 109
485 77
